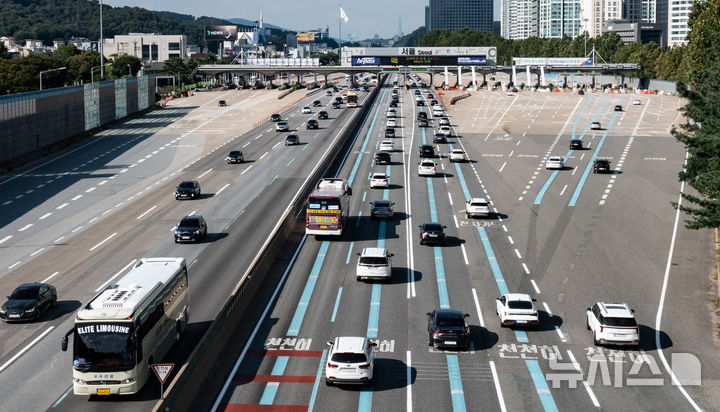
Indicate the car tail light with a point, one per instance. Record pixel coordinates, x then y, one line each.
424 235
434 169
364 366
332 365
307 221
602 328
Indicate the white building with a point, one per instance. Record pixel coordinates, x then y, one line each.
677 19
558 18
592 17
518 19
148 47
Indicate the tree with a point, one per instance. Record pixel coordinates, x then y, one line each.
701 137
124 65
3 52
704 22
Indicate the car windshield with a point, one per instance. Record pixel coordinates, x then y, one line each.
479 204
379 176
186 185
349 357
427 164
372 260
189 222
624 322
25 294
103 347
234 153
458 151
520 304
323 204
433 227
382 203
453 321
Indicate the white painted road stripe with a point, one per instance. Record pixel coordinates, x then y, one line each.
222 188
408 373
49 277
5 239
535 286
497 386
25 349
547 309
477 308
206 172
26 227
146 212
62 206
103 241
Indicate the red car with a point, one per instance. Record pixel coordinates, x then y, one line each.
429 95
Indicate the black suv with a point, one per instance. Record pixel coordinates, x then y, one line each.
427 151
389 132
275 117
312 124
439 138
28 301
335 105
422 115
317 103
222 103
448 328
576 144
191 229
422 122
235 156
322 114
601 166
382 158
188 189
432 233
618 108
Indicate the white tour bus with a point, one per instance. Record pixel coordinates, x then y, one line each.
130 325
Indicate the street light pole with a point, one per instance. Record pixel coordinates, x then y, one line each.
100 46
92 71
48 71
585 35
129 70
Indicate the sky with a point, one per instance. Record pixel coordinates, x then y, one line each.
366 18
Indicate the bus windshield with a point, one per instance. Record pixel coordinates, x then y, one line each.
323 204
352 99
104 347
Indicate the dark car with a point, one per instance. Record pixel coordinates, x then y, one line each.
335 105
433 102
275 117
381 209
423 122
427 151
28 301
365 89
235 156
432 233
312 124
390 132
576 144
601 166
393 103
439 138
448 328
191 229
382 158
395 98
422 115
420 102
188 189
618 108
317 103
322 114
329 92
222 103
292 139
581 93
338 99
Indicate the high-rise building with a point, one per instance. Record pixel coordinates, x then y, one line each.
558 18
458 14
518 19
677 20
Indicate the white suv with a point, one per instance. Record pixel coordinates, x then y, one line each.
555 162
613 324
427 168
379 180
374 263
477 207
351 360
516 309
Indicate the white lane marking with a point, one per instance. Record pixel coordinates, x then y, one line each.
450 197
243 172
456 221
408 380
502 167
7 202
25 349
537 289
477 308
14 264
49 277
192 213
146 212
59 239
497 385
91 189
5 239
26 227
547 309
62 206
106 212
102 183
45 216
76 197
510 239
658 317
559 332
563 190
592 395
525 268
222 188
462 247
132 262
261 157
206 172
37 251
276 145
103 241
245 145
517 252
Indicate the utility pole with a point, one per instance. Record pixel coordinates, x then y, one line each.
100 45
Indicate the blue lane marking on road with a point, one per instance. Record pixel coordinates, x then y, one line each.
297 319
497 274
364 194
316 385
431 197
271 388
587 127
369 175
288 163
273 179
381 232
423 135
365 142
357 222
234 219
456 389
579 116
192 263
386 192
545 187
374 318
365 401
347 261
586 173
521 336
441 282
337 303
541 386
306 146
57 402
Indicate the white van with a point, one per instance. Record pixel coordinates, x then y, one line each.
374 263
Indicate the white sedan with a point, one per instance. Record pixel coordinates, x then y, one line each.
555 162
458 155
427 168
391 123
636 102
387 145
306 109
379 180
516 309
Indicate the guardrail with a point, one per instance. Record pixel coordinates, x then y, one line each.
459 97
286 235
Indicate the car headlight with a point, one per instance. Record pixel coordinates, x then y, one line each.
31 310
127 381
2 310
197 232
79 381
